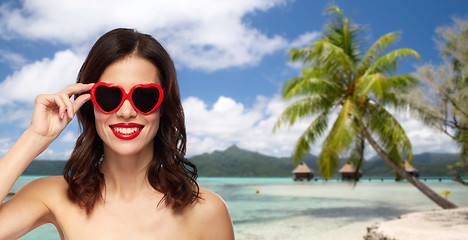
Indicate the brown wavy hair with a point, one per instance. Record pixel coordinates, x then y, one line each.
169 172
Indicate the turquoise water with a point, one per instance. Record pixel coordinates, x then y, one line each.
284 209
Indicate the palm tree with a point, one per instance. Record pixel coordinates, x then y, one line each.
338 79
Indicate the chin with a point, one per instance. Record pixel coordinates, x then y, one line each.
130 149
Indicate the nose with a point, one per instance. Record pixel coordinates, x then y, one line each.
126 110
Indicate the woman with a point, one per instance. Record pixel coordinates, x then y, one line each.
127 177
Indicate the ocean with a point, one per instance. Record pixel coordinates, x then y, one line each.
279 208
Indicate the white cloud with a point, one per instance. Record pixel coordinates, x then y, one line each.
18 114
14 60
5 145
68 137
40 77
208 35
78 21
424 138
229 122
227 118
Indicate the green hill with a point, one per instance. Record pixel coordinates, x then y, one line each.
236 162
428 164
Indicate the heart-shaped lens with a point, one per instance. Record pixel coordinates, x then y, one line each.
108 98
145 98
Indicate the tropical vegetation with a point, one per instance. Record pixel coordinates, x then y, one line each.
340 80
442 99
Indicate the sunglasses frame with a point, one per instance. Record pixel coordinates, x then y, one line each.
126 95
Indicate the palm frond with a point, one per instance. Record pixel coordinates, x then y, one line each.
295 86
371 83
376 50
388 63
334 9
344 130
404 82
386 90
310 136
311 82
396 89
327 161
304 107
301 54
339 139
334 59
343 33
330 60
389 131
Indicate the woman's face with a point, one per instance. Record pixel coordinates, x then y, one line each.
127 131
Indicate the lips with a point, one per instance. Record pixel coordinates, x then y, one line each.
126 131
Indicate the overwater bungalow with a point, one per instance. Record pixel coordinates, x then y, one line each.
302 171
411 170
348 172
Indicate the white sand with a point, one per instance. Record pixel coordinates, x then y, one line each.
431 225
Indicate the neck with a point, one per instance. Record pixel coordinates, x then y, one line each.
125 176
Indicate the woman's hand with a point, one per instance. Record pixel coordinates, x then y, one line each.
53 112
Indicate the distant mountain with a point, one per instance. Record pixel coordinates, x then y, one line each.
236 162
428 164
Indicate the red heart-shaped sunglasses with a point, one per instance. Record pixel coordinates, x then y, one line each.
145 98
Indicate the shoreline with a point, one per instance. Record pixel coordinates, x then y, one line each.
450 224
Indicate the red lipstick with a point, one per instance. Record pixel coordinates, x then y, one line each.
126 131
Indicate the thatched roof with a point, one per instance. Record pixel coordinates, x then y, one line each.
348 168
410 168
302 168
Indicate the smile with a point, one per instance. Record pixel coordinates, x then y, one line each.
126 131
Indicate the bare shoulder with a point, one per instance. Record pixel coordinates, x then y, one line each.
47 190
212 216
50 181
45 186
211 200
31 206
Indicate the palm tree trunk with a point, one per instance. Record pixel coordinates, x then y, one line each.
436 198
357 176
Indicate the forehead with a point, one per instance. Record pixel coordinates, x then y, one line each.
130 71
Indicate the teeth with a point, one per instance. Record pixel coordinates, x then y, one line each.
126 130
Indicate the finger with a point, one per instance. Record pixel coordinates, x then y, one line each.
68 104
77 89
60 104
82 99
71 90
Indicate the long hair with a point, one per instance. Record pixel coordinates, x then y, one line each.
169 172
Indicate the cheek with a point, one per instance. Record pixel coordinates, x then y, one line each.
99 120
154 120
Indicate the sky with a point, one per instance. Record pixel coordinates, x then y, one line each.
231 59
